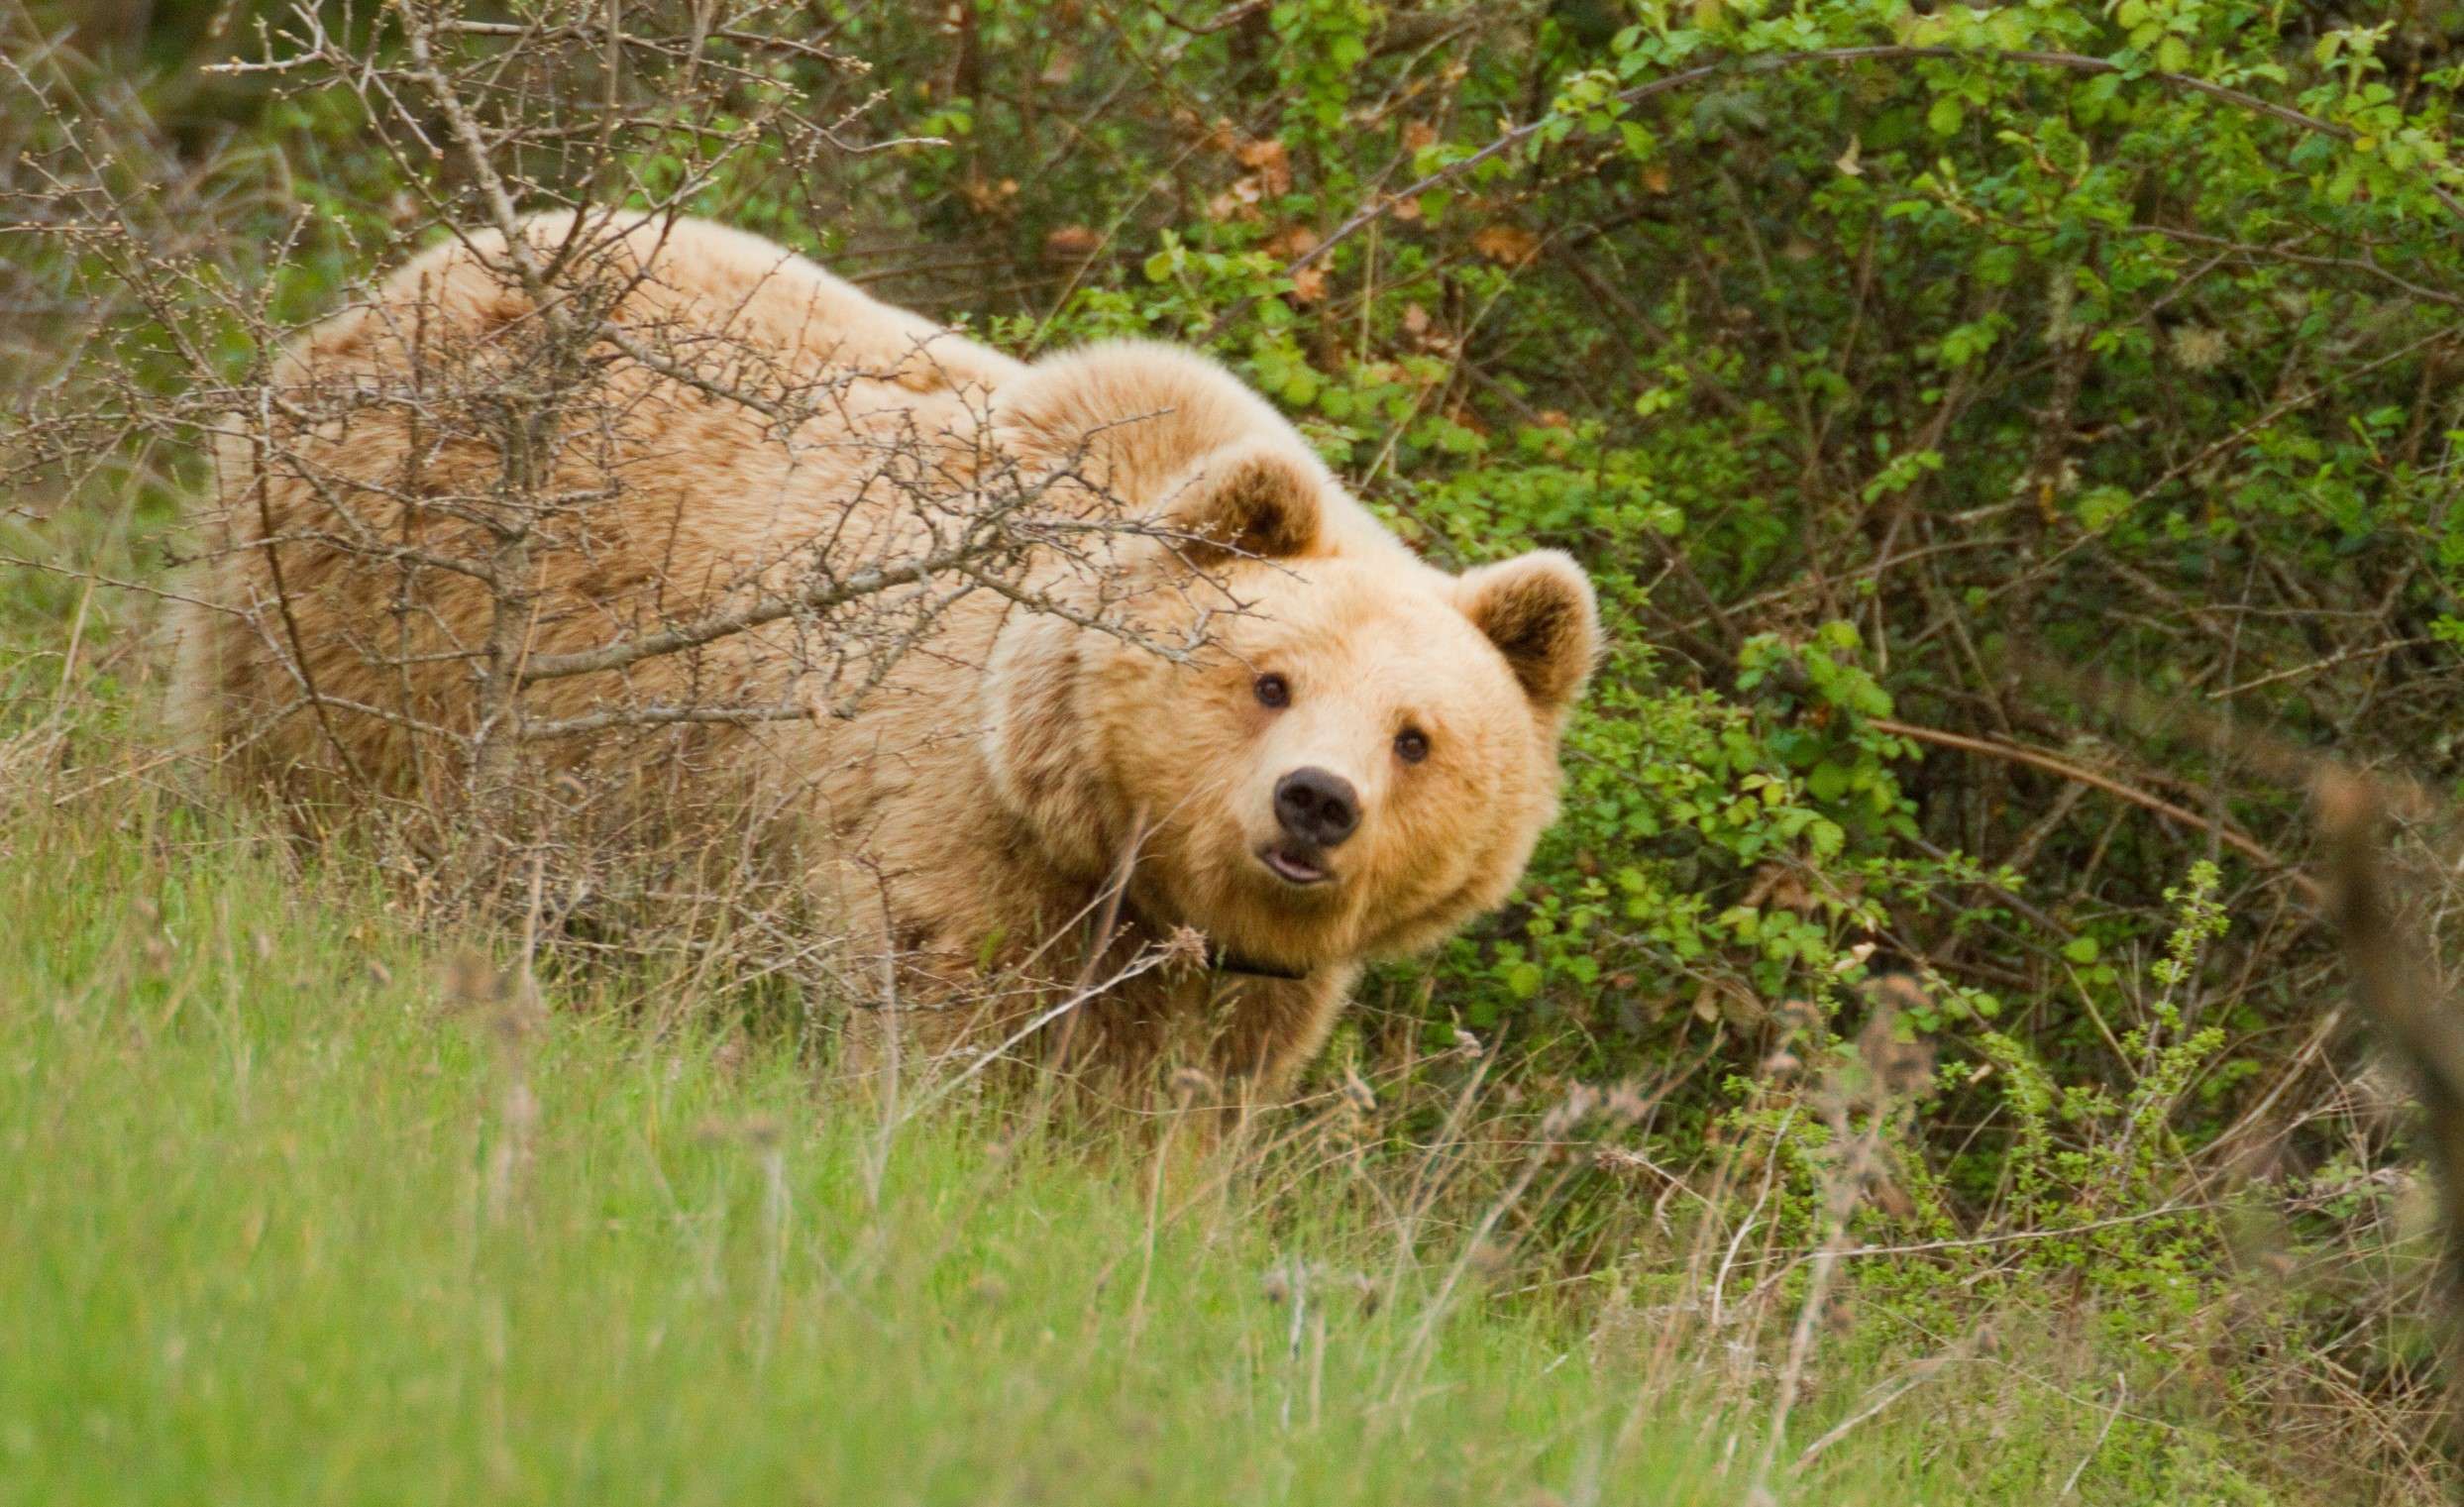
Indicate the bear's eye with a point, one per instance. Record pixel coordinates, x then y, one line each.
1273 691
1410 745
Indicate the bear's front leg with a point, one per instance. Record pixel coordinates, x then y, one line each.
1270 1028
918 1002
939 1010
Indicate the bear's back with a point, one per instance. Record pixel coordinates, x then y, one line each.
386 440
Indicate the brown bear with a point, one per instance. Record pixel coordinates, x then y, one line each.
1193 724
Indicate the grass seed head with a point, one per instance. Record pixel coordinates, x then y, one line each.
1191 1085
1186 947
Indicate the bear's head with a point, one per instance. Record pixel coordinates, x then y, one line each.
1321 748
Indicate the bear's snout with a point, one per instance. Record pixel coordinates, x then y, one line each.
1317 806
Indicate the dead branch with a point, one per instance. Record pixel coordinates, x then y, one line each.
2241 842
2391 984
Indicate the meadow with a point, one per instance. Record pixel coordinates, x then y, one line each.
304 1202
2016 449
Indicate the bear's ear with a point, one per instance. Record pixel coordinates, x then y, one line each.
1537 608
1249 498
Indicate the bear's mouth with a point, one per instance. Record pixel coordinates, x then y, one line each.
1294 864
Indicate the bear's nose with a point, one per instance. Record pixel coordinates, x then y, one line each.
1317 806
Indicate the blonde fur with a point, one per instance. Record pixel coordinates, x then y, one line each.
977 800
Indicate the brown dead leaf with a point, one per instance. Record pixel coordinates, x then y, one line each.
986 197
1778 885
1270 162
1072 244
1216 135
1719 1000
1238 202
1506 245
1292 241
1309 284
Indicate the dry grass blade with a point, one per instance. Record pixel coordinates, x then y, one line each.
2393 986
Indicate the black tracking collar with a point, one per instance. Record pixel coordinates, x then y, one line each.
1222 960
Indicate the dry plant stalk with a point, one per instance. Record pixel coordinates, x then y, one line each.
1889 1074
2393 986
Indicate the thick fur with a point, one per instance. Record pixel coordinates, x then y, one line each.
962 820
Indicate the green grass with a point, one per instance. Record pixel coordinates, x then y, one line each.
245 1159
259 1248
287 1216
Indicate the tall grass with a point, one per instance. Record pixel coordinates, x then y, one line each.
267 1243
303 1204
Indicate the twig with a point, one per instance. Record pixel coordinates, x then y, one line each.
2121 1399
2240 842
822 597
1882 1397
2008 1238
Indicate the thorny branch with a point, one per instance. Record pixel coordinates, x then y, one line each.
514 447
